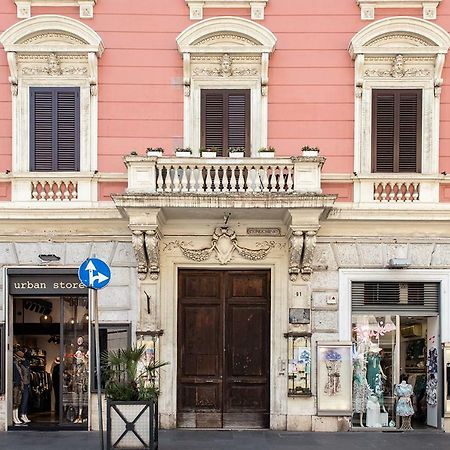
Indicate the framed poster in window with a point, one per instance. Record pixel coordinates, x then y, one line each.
334 378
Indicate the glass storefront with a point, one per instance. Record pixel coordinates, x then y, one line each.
395 370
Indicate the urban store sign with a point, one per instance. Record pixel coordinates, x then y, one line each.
56 284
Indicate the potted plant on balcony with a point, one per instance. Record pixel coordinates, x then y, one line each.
267 152
208 152
183 152
155 151
131 398
310 151
236 152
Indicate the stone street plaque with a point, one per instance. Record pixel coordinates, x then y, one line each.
299 315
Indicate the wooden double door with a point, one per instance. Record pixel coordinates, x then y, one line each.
223 349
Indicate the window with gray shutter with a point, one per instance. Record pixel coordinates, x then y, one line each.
394 298
396 130
55 129
225 120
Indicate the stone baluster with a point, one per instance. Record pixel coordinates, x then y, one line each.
176 184
265 178
208 180
217 179
184 178
241 179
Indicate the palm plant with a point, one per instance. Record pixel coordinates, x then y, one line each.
127 377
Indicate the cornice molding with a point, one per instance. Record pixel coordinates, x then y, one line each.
86 6
256 6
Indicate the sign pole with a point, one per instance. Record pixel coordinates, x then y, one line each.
97 366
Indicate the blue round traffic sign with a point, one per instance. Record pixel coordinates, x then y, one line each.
94 273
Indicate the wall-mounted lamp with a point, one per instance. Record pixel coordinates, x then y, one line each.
399 263
49 258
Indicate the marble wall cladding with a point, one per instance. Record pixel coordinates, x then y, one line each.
103 250
7 254
325 280
441 255
124 255
396 251
323 258
325 299
76 253
420 254
324 321
371 255
346 254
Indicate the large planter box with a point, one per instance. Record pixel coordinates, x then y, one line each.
132 425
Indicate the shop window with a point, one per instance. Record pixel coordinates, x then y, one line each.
55 129
225 120
111 337
388 297
2 359
396 130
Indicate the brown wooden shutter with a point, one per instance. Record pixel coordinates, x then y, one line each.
226 120
54 129
396 130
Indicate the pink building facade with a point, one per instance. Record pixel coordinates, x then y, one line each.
291 289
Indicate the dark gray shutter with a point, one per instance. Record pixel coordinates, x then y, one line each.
396 130
213 129
225 120
395 298
54 129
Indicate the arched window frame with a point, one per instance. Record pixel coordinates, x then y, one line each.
423 46
249 46
29 44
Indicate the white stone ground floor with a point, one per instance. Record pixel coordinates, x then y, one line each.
147 297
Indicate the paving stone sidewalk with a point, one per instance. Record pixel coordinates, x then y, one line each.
236 440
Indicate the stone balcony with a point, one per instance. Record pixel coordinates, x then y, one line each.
174 175
178 184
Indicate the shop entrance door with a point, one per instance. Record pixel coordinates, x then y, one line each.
51 345
223 349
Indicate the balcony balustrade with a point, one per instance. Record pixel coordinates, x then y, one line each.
168 175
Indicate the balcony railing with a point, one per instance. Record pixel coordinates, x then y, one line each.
166 175
53 187
396 188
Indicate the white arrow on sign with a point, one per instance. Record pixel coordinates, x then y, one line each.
99 277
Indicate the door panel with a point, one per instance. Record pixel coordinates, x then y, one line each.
223 342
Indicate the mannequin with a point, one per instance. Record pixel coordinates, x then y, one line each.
404 409
55 382
17 385
26 390
360 386
375 374
80 378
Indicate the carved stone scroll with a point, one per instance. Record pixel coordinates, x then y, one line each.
137 240
301 252
223 245
146 249
152 239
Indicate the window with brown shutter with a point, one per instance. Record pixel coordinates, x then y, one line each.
54 129
225 120
396 130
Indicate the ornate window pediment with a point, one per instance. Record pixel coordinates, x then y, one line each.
368 7
257 7
50 51
86 6
398 53
226 53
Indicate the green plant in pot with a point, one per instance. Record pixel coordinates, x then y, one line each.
127 378
132 398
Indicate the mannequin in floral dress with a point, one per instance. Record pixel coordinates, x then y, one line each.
404 408
360 386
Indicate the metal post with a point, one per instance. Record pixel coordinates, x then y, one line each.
97 366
